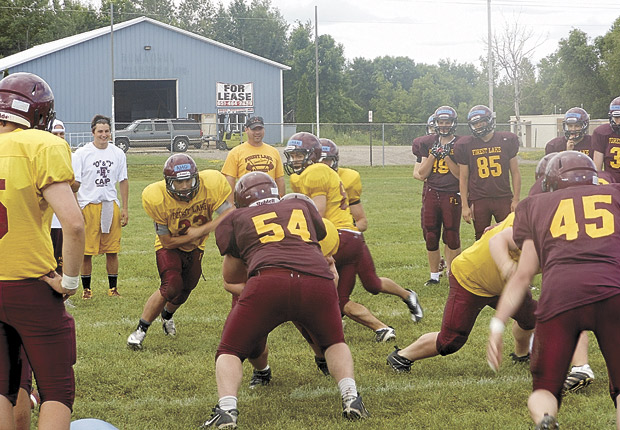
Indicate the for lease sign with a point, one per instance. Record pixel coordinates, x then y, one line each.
235 94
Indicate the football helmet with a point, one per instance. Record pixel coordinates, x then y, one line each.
541 167
255 188
27 100
578 116
568 169
430 125
329 152
179 167
445 113
303 143
614 112
478 114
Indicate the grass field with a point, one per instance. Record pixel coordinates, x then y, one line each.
170 384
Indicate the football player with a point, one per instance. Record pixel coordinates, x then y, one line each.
35 178
441 202
576 138
311 177
477 279
264 234
605 142
185 207
487 162
254 156
573 234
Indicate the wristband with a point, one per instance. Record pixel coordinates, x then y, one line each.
70 282
497 326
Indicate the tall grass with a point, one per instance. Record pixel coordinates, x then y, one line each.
170 384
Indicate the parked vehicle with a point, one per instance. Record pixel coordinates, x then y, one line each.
179 133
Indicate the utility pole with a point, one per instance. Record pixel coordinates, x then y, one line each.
113 127
316 66
490 55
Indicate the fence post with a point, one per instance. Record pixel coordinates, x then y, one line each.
370 134
383 141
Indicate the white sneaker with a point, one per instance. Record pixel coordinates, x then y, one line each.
169 327
578 378
135 339
385 334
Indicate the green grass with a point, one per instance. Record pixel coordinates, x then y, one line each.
170 384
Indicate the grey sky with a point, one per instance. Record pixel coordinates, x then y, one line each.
430 30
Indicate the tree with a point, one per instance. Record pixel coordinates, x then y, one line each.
572 77
197 16
513 50
257 28
609 48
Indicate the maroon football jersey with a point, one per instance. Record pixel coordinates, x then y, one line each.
418 142
440 178
576 232
607 142
489 163
559 144
283 234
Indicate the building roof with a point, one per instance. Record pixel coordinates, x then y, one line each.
60 44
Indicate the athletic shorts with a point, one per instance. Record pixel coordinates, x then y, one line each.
97 242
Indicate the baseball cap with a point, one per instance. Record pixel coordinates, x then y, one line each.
254 122
58 126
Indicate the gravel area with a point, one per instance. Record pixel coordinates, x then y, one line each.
349 155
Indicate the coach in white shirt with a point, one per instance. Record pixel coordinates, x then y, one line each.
98 167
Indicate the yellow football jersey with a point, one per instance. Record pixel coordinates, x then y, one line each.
475 268
320 180
178 216
352 184
246 158
331 242
30 160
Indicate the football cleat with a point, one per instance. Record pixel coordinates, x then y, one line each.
169 327
321 363
414 306
431 282
221 419
385 334
113 292
260 378
398 362
578 378
520 359
87 294
135 339
548 423
353 408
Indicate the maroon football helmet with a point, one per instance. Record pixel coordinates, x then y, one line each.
430 125
304 143
569 169
329 152
179 167
614 112
27 100
578 116
541 167
255 188
445 113
478 114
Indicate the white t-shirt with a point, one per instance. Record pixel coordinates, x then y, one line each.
98 171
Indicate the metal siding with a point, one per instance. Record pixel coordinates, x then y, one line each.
80 75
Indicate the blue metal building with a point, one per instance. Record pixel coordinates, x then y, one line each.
160 71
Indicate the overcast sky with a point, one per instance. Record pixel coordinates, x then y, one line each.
430 30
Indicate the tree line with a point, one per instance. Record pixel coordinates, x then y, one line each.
581 72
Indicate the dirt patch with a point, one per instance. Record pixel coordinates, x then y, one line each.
349 155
